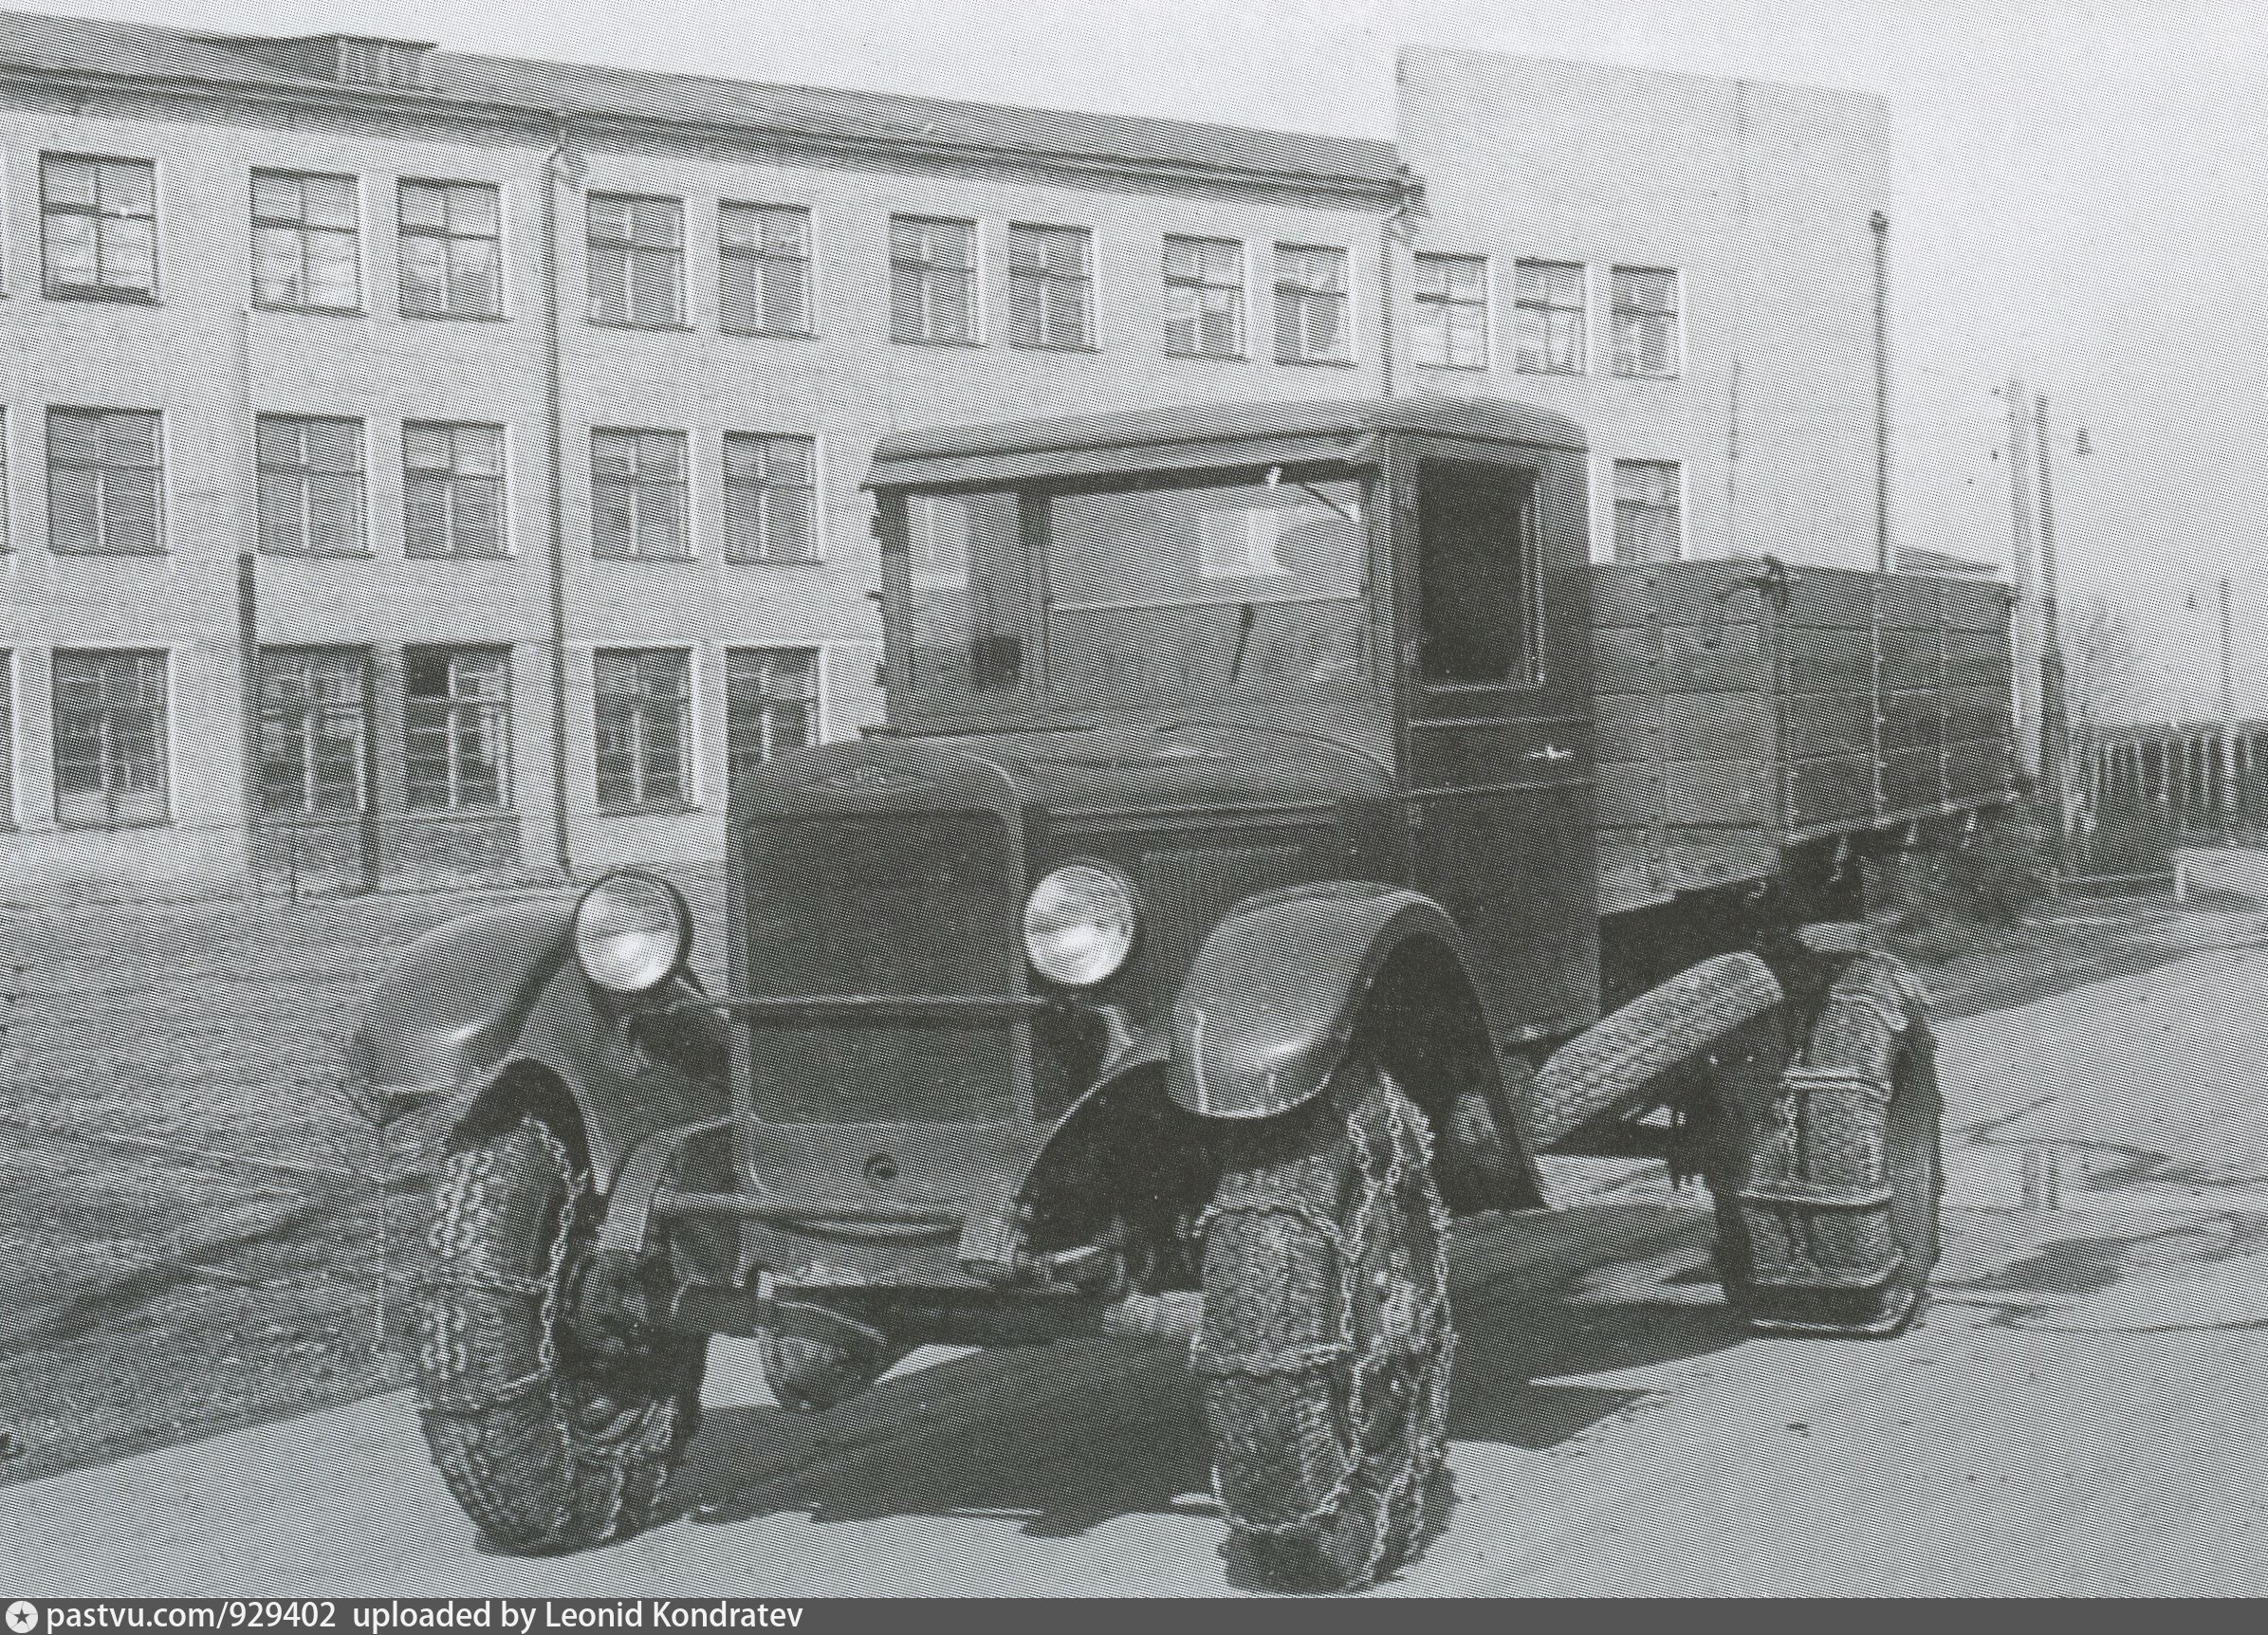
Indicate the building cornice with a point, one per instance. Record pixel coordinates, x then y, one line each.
544 124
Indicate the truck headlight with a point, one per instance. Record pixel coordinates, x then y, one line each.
1079 926
632 931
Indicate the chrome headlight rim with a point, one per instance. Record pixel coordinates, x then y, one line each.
1127 937
680 920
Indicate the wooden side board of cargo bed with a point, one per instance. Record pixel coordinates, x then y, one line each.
1744 708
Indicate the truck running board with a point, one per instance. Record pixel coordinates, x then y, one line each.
1604 1068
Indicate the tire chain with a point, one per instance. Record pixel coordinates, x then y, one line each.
1406 1127
549 1289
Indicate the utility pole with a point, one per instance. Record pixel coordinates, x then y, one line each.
2055 735
2229 722
2027 650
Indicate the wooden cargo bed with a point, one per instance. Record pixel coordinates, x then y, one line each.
1744 707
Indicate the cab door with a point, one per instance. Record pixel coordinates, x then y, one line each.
1496 741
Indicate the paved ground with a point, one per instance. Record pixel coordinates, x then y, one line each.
2080 1413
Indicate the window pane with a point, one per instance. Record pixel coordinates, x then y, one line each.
473 208
128 186
275 197
129 255
68 181
786 298
475 278
424 205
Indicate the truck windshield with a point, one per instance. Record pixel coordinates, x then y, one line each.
1152 596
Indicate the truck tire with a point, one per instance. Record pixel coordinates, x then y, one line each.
547 1442
1326 1344
1827 1174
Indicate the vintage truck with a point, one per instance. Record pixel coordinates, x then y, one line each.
1280 833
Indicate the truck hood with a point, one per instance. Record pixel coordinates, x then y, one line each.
1107 768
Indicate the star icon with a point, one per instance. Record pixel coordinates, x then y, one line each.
23 1617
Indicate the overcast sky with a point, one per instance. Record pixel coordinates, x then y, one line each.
2079 199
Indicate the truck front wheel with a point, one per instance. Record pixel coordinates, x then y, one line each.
548 1441
1325 1350
1827 1175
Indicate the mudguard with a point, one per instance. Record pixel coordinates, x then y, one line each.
1277 991
474 1002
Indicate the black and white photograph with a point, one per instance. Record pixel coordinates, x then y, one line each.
1003 800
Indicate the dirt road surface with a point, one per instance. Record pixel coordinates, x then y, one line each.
2079 1414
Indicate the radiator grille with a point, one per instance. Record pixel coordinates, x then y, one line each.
918 904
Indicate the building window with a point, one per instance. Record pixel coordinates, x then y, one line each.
1451 331
452 489
7 739
1051 286
310 483
771 703
768 499
636 261
638 496
456 722
764 275
452 247
99 228
1552 317
1205 297
1311 305
1646 338
103 482
110 739
314 731
933 281
306 241
644 718
1648 524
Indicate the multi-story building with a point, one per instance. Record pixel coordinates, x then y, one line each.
414 464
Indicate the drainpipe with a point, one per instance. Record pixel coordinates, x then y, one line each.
1399 228
241 482
1880 223
560 166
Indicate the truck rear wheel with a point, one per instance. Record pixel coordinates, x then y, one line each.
548 1441
1828 1176
1325 1351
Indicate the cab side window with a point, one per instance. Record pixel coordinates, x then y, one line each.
1477 575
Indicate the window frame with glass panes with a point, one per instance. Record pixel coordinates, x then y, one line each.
1051 288
311 483
456 737
1449 328
139 714
919 275
313 733
1199 275
771 498
636 712
652 492
442 228
453 492
763 269
773 682
1649 334
643 254
1314 304
306 241
118 480
1551 334
1639 516
132 231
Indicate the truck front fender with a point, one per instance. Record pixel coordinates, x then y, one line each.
491 1006
447 1010
1287 981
